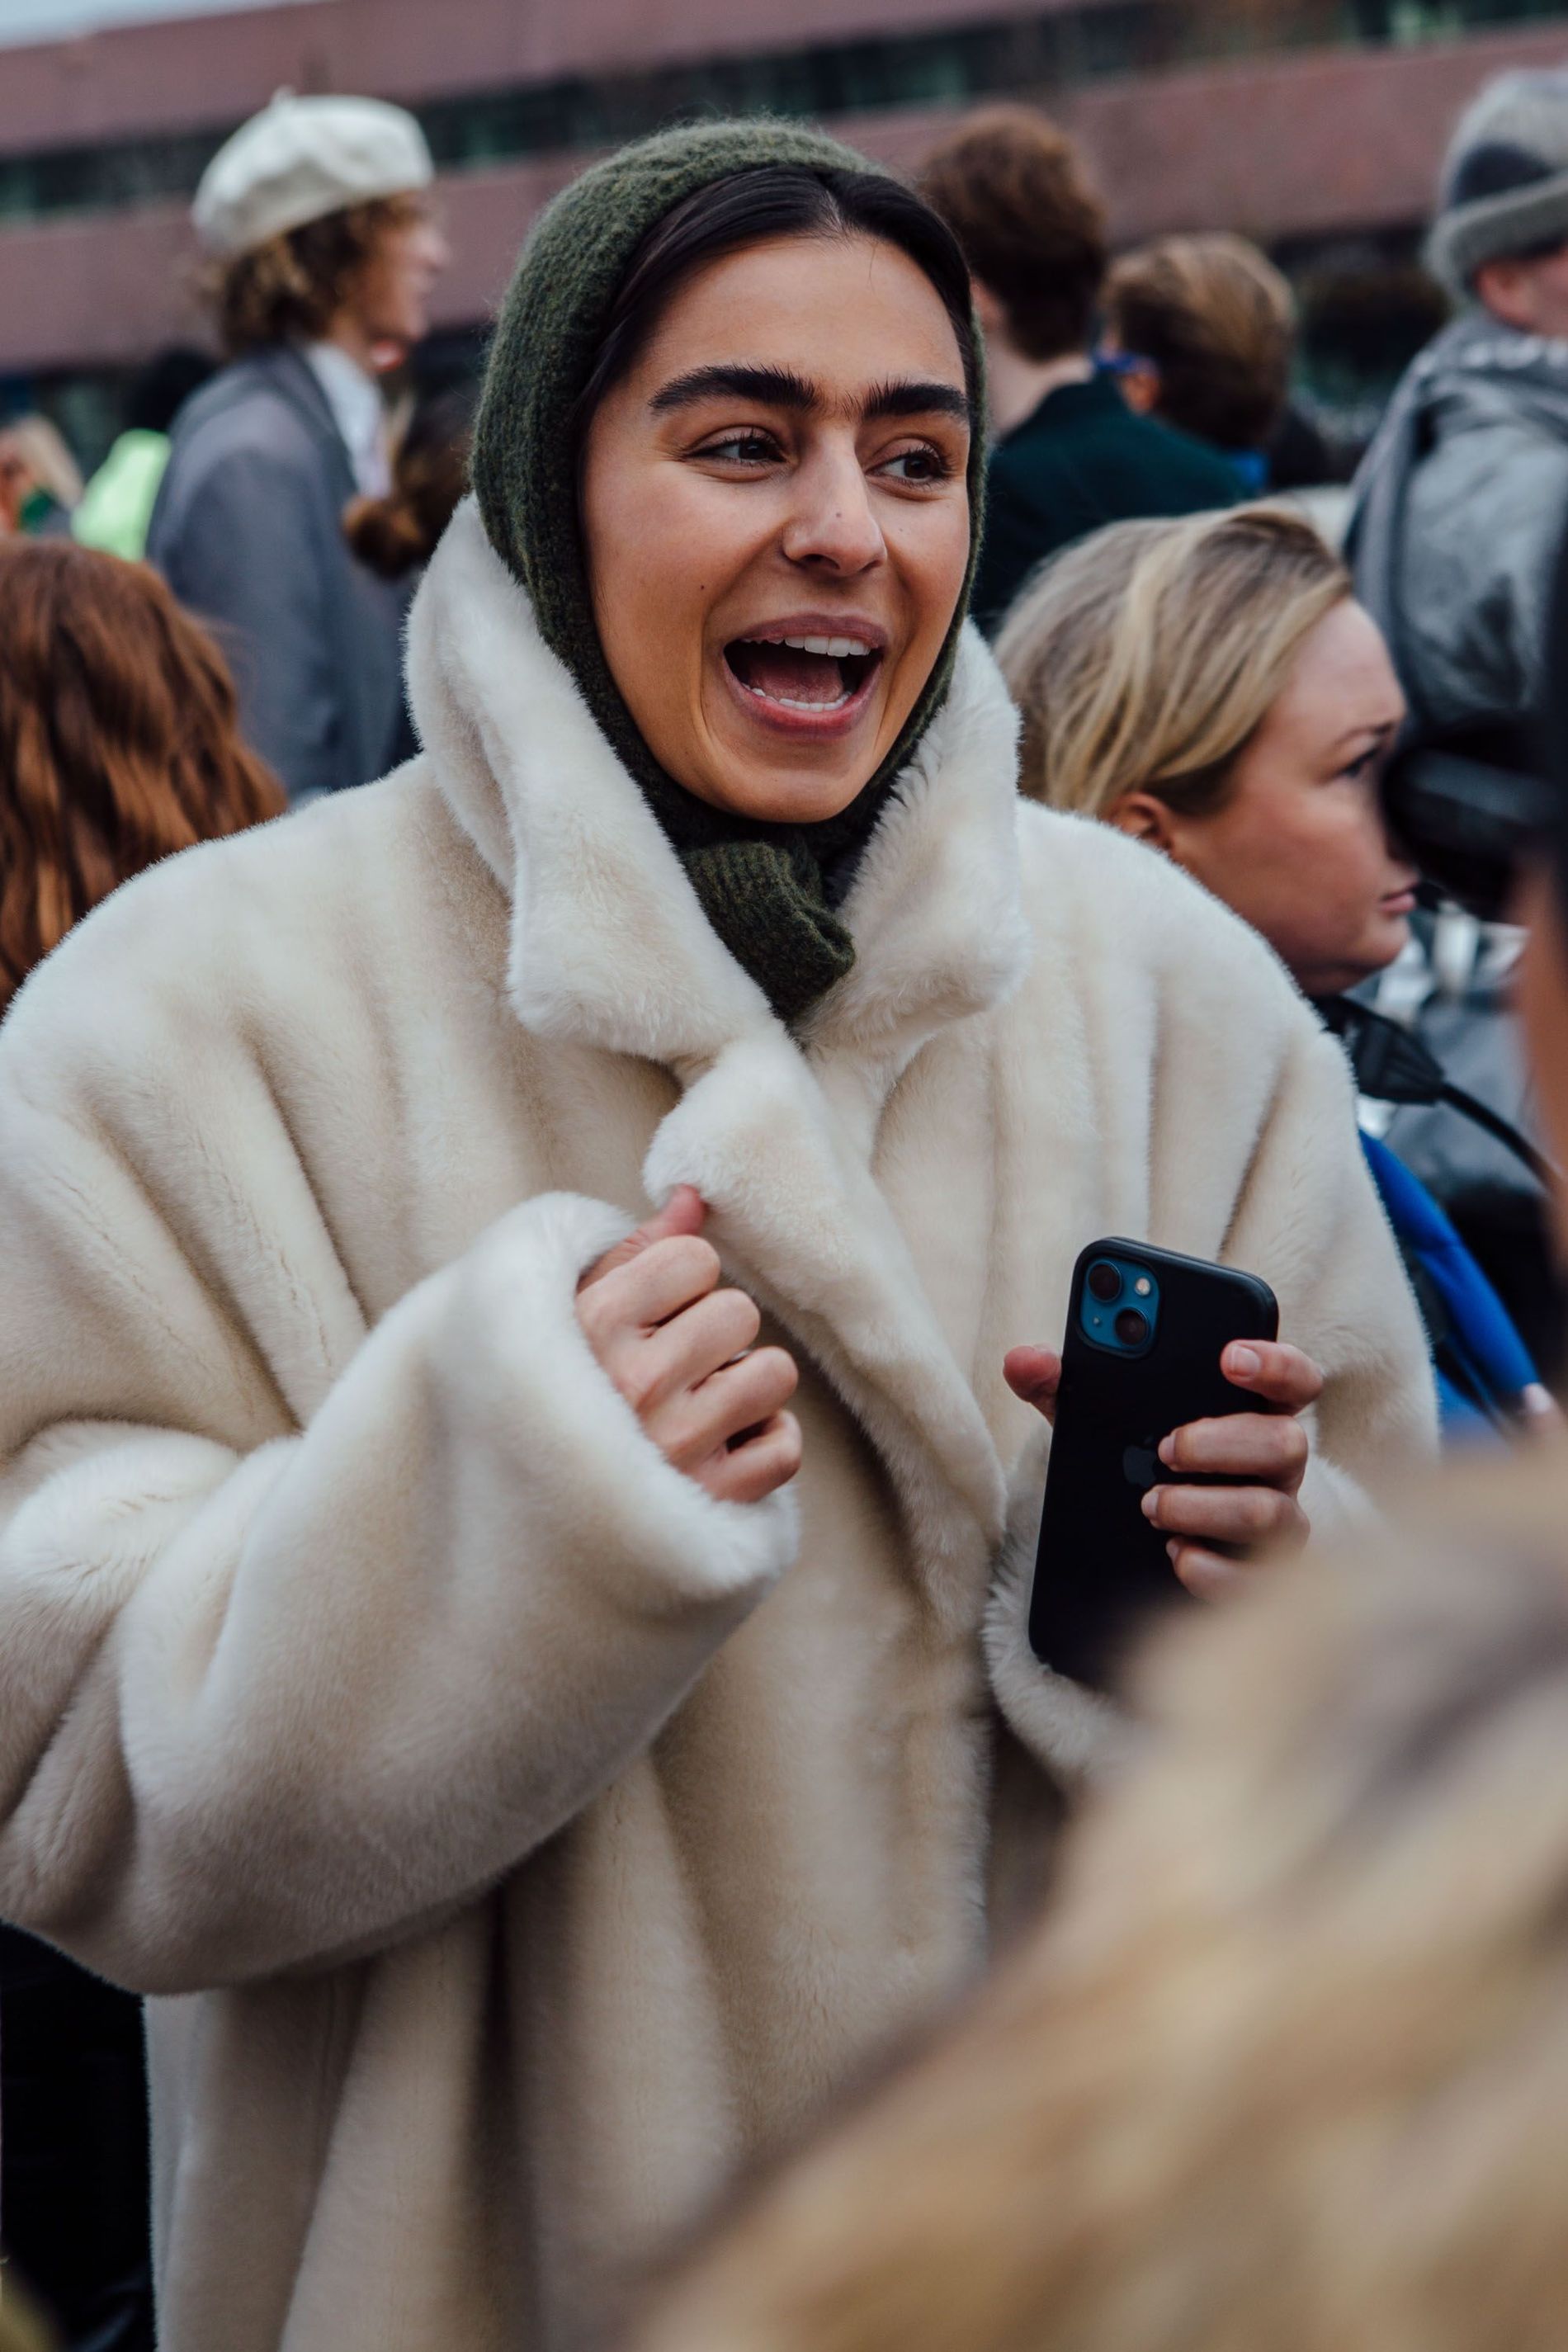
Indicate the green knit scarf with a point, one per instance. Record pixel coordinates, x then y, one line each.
769 890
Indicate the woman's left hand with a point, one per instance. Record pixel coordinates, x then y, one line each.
1270 1451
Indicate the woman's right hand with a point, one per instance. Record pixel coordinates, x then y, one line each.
681 1351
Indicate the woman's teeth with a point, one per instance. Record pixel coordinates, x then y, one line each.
836 648
802 673
796 702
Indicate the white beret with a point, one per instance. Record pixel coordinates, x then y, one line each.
301 158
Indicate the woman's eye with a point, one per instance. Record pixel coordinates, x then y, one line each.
741 449
921 465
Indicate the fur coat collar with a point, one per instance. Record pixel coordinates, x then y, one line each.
609 948
934 911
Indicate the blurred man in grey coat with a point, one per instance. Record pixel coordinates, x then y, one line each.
1461 508
1462 501
317 213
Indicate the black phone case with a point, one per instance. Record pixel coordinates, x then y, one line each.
1101 1570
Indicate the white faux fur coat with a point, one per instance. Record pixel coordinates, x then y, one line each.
514 1838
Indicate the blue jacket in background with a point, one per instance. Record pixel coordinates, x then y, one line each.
1481 1364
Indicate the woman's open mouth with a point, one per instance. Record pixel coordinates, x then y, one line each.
813 684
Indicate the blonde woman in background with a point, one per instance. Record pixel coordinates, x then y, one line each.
1211 687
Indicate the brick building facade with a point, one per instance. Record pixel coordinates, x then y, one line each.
1298 122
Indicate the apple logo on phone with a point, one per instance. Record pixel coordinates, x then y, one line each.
1141 1464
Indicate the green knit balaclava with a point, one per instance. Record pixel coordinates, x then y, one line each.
769 890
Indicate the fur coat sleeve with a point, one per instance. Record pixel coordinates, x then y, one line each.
305 1634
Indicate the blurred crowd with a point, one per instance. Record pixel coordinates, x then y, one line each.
502 1958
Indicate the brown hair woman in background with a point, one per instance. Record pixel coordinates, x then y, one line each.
119 743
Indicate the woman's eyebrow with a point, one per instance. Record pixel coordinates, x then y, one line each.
775 387
780 387
911 396
1369 727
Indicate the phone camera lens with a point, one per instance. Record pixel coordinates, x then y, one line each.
1131 1329
1104 1282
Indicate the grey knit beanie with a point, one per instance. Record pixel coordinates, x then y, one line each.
1504 188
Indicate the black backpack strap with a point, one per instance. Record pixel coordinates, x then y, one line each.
1393 1065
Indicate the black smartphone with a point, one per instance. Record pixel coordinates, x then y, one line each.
1145 1332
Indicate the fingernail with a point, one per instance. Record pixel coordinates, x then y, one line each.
1245 1363
1172 1551
1168 1452
1152 1504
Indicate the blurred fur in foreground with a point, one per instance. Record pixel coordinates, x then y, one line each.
1287 2070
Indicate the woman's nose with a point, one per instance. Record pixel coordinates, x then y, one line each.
833 522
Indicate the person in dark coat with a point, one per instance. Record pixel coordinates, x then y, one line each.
1069 456
315 211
